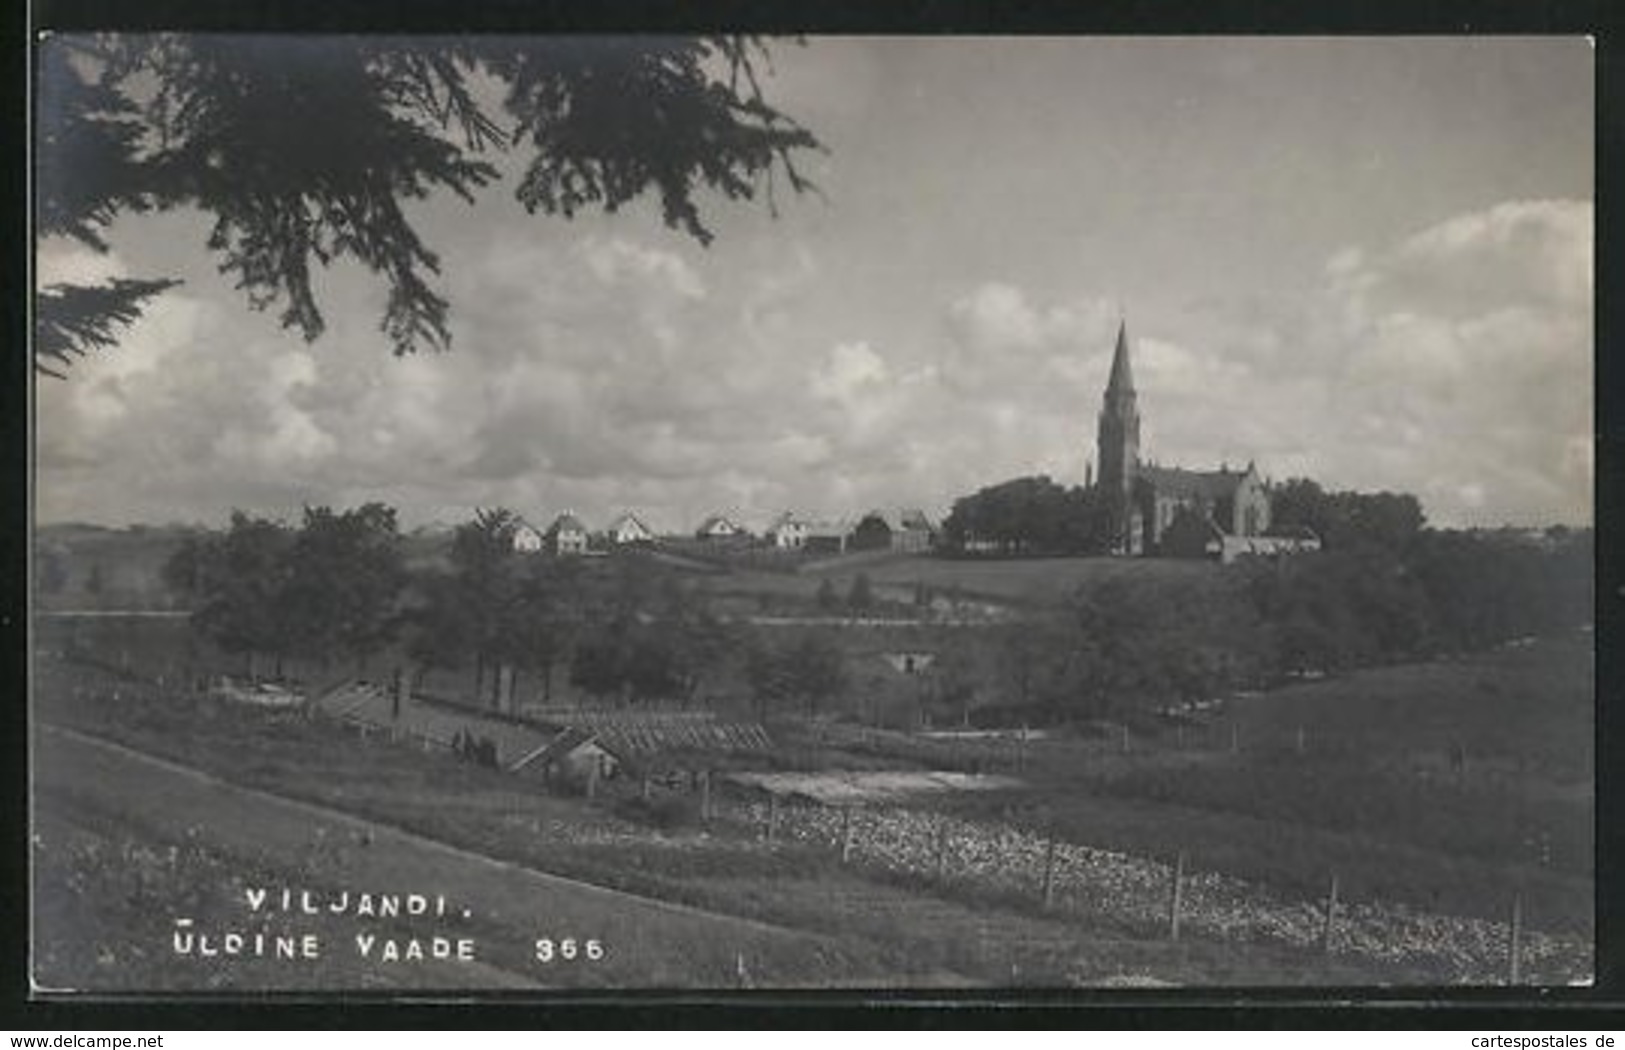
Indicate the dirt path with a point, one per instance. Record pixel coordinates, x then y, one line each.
645 942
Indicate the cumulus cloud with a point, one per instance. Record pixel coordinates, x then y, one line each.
603 373
1455 363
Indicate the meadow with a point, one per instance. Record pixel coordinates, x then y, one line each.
1259 815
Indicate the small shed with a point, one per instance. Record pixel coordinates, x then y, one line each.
576 757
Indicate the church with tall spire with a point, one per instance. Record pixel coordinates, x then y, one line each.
1167 510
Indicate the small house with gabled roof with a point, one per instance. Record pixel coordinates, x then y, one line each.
899 530
788 532
566 536
628 529
718 527
527 538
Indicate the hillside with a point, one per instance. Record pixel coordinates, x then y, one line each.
1019 580
90 567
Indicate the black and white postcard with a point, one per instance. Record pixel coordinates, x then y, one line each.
526 513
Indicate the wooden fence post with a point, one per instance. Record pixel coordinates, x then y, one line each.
846 834
1300 740
705 797
643 787
1125 738
1515 939
592 778
1331 917
1049 871
1235 738
772 817
1176 897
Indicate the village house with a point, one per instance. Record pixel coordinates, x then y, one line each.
787 532
575 757
566 536
527 538
903 530
718 527
628 529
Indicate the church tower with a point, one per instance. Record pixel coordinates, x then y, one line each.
1118 443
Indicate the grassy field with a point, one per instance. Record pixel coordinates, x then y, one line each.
1373 796
893 921
1022 581
1444 786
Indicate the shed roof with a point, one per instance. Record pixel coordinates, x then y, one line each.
438 722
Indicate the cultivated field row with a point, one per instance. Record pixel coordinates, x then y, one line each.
1138 891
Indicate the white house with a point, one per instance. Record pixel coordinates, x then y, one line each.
527 539
718 527
629 529
788 532
566 535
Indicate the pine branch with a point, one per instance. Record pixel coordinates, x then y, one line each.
71 320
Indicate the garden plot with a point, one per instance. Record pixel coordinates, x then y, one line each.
1136 889
842 788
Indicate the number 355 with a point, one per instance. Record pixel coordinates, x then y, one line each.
568 950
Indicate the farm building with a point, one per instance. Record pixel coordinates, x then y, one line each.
628 528
1196 535
787 532
373 708
902 530
1296 541
566 535
575 757
826 537
718 527
527 538
647 741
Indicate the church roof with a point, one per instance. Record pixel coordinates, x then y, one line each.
1206 484
1122 378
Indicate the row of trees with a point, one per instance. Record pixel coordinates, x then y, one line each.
338 587
1030 516
1036 516
1136 638
330 588
1388 589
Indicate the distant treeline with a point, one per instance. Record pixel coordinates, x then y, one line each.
337 587
1374 596
1386 588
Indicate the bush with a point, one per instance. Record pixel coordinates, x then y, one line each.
662 812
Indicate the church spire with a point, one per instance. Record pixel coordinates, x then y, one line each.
1122 379
1118 445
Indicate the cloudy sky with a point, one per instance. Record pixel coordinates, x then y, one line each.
1364 261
